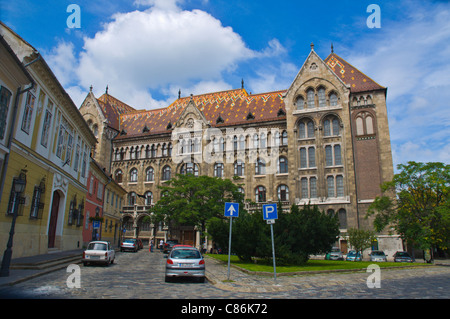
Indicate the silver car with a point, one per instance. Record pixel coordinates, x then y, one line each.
378 255
99 252
185 262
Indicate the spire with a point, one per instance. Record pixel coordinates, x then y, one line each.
332 49
242 84
179 93
312 46
106 89
90 89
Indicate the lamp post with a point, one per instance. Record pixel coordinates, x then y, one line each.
18 188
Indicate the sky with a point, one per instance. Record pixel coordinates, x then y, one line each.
145 51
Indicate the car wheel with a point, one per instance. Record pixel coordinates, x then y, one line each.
167 279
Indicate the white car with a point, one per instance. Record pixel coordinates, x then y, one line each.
99 252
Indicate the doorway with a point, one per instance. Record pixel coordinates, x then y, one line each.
53 219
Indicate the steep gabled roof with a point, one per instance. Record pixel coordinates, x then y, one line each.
358 81
224 108
112 108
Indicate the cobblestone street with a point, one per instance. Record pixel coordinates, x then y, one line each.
141 276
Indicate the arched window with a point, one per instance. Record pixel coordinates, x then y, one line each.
310 98
148 198
166 172
282 165
242 143
164 149
133 175
149 174
189 168
131 198
260 194
364 124
300 102
239 168
283 193
218 170
342 214
306 129
333 99
322 98
260 167
284 138
331 126
118 176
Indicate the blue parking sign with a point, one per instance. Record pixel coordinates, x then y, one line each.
270 211
231 209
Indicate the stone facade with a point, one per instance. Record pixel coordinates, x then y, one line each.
324 140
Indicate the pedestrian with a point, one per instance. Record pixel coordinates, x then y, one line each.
151 245
161 243
204 247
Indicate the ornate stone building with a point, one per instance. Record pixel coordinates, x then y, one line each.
325 141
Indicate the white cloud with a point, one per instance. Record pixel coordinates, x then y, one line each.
410 57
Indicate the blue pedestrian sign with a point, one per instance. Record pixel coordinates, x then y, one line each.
231 209
270 211
96 224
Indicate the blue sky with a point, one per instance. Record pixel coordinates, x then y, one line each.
147 50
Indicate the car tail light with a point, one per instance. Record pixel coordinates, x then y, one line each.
106 254
169 261
201 262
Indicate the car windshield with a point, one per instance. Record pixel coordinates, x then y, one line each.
402 255
351 253
185 254
377 253
96 246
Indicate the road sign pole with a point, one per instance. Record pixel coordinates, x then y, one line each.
273 255
229 247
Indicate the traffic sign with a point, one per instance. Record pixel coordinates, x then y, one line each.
270 211
231 209
96 224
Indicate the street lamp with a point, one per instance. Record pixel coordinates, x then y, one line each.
18 187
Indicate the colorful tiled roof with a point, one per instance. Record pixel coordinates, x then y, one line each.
358 81
112 108
224 108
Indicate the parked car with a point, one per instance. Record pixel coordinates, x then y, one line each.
168 245
402 256
185 262
334 254
378 255
129 245
99 252
351 255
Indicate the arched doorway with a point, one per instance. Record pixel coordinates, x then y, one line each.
53 222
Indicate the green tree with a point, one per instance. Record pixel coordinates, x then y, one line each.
360 239
191 200
416 204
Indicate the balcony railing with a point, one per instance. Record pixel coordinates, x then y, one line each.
136 208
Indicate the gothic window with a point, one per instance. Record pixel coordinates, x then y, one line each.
330 186
239 168
149 174
282 164
333 99
148 198
28 113
5 97
118 176
364 124
131 198
306 129
313 187
300 103
342 214
260 167
133 175
218 170
260 194
331 126
322 98
304 187
189 168
307 157
284 138
283 193
310 98
166 172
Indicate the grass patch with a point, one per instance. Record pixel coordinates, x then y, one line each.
311 265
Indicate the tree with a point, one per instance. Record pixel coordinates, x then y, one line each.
191 200
416 204
360 239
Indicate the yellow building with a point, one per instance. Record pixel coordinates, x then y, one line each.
49 151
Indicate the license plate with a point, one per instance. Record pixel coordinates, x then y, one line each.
186 265
94 257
